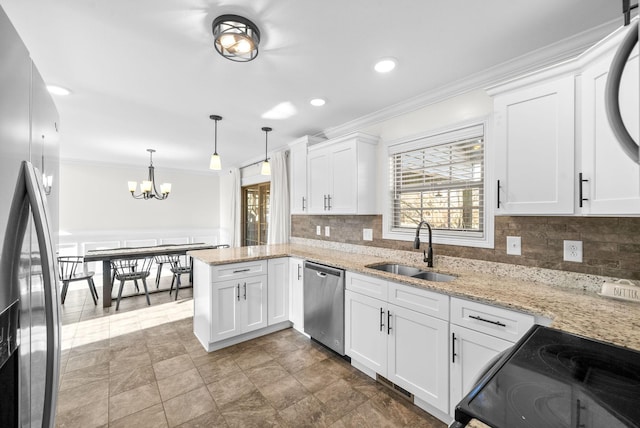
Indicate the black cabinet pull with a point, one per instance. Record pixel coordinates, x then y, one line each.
581 197
325 202
238 292
381 318
303 202
299 274
241 270
475 317
498 194
579 408
388 322
245 291
453 347
328 202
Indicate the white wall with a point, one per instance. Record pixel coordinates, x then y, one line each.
95 206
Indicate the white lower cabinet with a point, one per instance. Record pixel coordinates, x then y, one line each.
278 290
471 351
407 347
296 293
240 306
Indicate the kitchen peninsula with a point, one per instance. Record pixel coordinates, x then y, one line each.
568 309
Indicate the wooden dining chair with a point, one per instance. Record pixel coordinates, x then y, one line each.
72 268
132 270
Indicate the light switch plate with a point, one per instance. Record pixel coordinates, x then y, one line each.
367 234
326 231
318 230
573 251
514 245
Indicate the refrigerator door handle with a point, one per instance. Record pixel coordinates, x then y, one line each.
49 266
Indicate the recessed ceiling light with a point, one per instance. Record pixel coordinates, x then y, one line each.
317 102
385 65
58 90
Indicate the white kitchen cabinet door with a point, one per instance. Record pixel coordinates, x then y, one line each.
613 185
254 303
534 136
278 290
225 320
472 351
418 352
365 334
296 293
318 184
343 195
298 180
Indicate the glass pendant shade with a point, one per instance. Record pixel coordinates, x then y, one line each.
266 168
215 163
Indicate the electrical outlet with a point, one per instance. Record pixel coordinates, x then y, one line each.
367 234
326 231
573 251
318 230
514 245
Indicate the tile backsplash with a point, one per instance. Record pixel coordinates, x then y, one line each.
611 245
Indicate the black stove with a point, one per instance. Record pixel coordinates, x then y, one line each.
555 379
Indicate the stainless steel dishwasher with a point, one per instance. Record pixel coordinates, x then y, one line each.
324 305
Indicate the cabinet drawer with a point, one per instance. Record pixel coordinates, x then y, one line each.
420 300
238 270
367 285
498 322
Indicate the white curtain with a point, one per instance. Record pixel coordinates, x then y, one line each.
279 218
236 214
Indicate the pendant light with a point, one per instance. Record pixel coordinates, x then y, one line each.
148 187
215 162
266 167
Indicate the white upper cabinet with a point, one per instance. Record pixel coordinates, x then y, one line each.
555 151
612 183
534 141
342 175
298 176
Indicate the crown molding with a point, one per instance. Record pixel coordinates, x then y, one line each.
554 53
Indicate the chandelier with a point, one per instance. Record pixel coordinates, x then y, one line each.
148 187
236 38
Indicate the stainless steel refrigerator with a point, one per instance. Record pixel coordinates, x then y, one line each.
29 307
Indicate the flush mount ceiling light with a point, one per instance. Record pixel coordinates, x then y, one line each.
236 38
215 162
317 102
385 65
148 187
266 167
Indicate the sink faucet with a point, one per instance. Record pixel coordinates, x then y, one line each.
428 256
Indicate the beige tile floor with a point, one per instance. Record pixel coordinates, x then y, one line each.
143 367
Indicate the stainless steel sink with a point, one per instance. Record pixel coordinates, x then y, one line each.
433 276
397 269
413 272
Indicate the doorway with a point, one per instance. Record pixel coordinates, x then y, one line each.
255 214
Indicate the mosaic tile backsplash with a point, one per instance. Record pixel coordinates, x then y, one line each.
611 245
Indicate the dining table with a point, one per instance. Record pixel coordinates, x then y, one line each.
107 255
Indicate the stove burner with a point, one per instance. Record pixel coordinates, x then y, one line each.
593 369
538 404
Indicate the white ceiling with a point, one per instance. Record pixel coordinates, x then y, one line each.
144 73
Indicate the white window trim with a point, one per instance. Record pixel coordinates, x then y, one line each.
445 237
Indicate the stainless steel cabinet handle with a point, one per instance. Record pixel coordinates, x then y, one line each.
245 291
475 317
453 347
241 270
581 197
381 318
388 322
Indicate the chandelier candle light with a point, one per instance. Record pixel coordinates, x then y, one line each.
215 162
148 187
266 167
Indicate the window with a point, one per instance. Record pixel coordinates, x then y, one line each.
440 179
255 214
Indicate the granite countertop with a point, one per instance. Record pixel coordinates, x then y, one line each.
569 309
